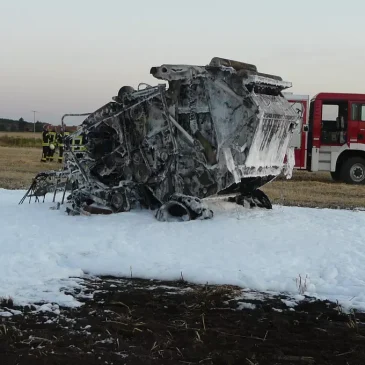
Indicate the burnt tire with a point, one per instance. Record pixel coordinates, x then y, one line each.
125 90
336 175
353 171
262 198
173 211
256 198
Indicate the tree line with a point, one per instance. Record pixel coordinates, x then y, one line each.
11 125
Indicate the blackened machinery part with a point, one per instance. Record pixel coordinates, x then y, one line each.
278 78
237 65
210 155
256 198
96 210
72 115
117 201
172 209
64 192
263 200
125 90
246 73
79 166
167 114
28 191
182 130
55 190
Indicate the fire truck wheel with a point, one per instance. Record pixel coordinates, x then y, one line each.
353 171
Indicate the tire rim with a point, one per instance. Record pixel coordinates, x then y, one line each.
357 172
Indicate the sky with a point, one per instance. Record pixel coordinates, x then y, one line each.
73 56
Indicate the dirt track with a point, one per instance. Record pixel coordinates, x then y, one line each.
145 322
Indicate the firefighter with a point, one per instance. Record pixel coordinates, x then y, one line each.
45 144
56 140
60 143
52 141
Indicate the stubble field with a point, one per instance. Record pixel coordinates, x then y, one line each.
20 139
19 165
21 134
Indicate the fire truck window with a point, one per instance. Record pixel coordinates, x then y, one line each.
330 112
358 112
334 122
362 116
355 111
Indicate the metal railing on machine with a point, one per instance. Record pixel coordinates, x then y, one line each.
51 181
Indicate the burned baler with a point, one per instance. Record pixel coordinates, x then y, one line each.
218 129
240 118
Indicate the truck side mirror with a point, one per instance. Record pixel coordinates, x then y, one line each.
305 128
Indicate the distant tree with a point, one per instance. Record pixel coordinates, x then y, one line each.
38 126
22 125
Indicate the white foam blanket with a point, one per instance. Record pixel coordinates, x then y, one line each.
41 250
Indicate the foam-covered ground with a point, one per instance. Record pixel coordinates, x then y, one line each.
44 251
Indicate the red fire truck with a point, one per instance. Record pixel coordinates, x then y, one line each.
331 136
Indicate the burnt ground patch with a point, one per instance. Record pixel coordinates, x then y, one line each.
152 322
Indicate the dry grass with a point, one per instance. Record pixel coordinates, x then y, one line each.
6 141
18 166
20 139
22 134
311 189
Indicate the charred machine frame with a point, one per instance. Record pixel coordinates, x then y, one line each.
218 130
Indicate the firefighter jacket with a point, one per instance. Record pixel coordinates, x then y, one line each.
45 139
52 137
61 138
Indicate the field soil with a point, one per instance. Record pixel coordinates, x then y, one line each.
149 322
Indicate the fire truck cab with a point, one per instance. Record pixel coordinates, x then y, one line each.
331 135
